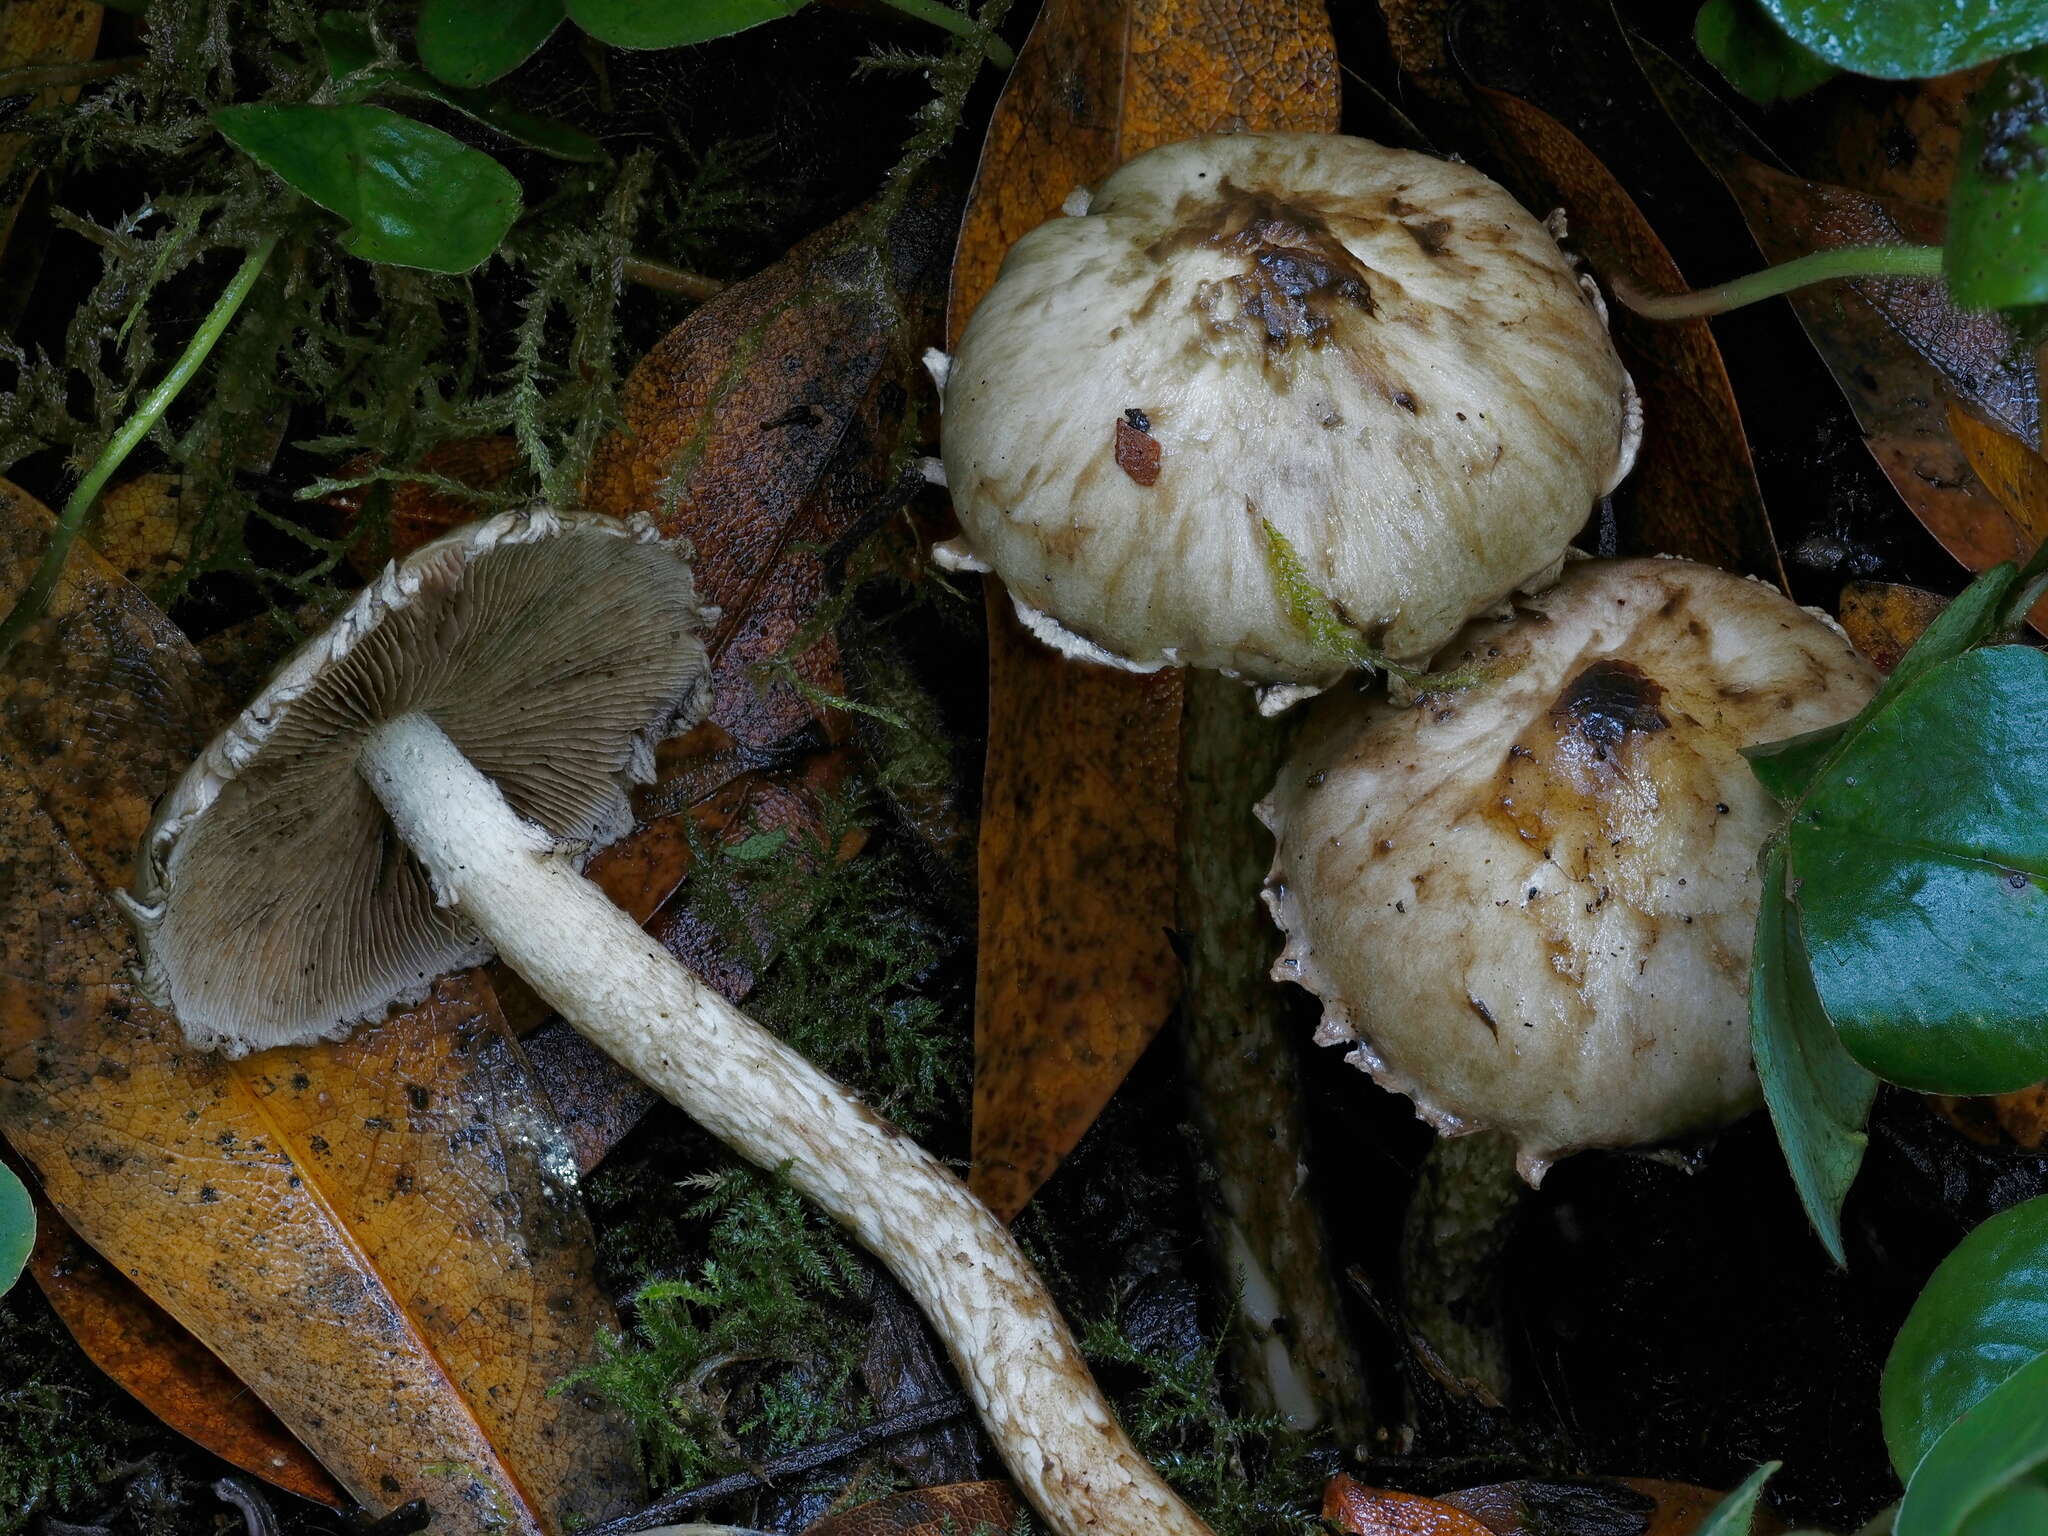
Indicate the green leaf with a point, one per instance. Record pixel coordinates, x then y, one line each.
412 196
1990 1450
672 23
1818 1096
1997 250
358 73
1788 768
761 845
1919 864
469 43
1749 48
1910 39
2018 1509
1982 1318
1734 1515
17 1228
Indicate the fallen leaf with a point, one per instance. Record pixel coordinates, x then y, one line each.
1599 1507
2007 1120
1077 865
376 1237
137 530
1896 348
168 1371
1896 137
1415 37
954 1509
1351 1506
41 32
1694 490
764 428
1883 619
433 504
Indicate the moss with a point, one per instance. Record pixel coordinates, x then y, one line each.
69 1439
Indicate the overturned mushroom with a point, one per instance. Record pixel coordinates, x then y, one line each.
1530 902
418 787
1375 352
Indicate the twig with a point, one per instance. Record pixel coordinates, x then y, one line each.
664 1511
649 273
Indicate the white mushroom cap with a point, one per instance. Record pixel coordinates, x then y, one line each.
273 903
1378 352
1531 903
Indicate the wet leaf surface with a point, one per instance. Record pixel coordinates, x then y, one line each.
1078 867
953 1509
1640 1506
382 1238
1883 619
167 1370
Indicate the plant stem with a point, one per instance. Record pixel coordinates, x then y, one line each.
939 14
36 596
39 77
1818 267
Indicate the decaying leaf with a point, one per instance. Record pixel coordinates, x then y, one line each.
1078 867
379 1238
1362 1511
1694 490
137 530
47 33
1883 619
1897 349
765 427
167 1370
953 1509
1616 1506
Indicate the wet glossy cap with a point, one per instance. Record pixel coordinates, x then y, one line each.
1529 905
1378 352
272 900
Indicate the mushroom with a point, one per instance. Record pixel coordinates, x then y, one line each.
1530 903
418 787
1376 354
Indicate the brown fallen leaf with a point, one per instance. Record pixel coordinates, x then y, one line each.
1597 1507
763 428
1351 1506
41 33
1883 619
953 1509
375 1237
1896 348
1077 865
137 530
1694 490
168 1371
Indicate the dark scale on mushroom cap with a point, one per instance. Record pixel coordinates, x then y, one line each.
273 901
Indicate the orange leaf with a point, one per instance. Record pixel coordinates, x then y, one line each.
1694 489
1883 618
1363 1511
1077 868
168 1371
374 1236
956 1509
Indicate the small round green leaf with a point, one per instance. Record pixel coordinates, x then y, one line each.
469 43
672 23
1919 864
17 1228
1982 1318
1997 250
1759 60
412 196
1911 39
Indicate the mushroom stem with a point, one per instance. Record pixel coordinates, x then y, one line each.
1016 1357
